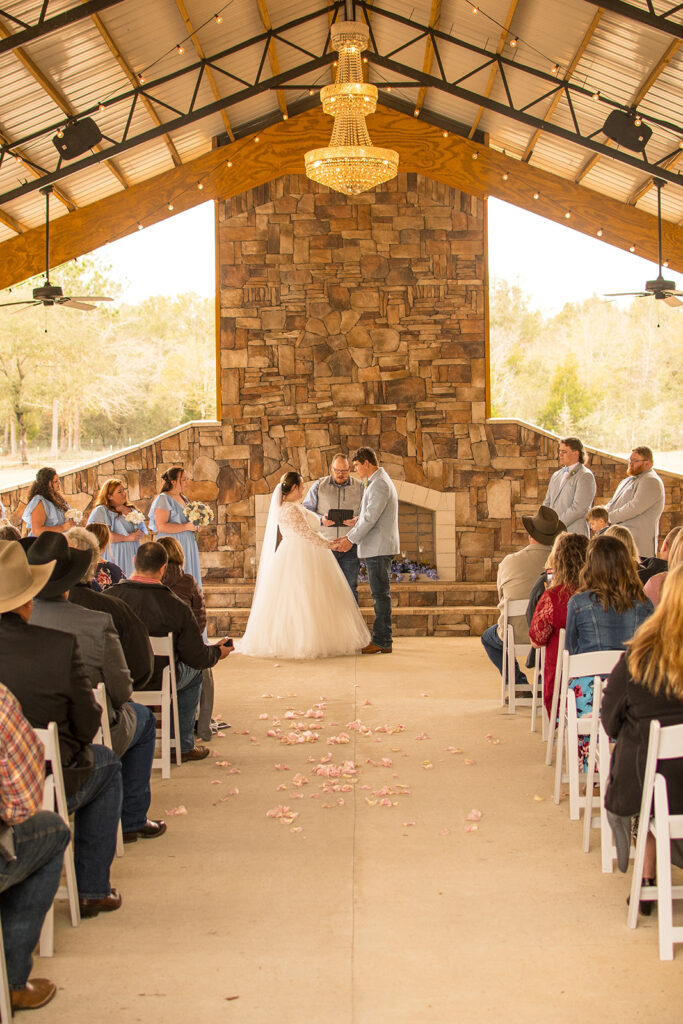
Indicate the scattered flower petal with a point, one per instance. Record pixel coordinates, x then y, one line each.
422 736
216 782
427 764
233 792
282 786
538 799
471 828
296 828
474 815
263 716
222 764
409 824
424 694
300 780
445 832
469 761
181 809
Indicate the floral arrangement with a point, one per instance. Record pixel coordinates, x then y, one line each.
402 569
74 515
134 517
198 513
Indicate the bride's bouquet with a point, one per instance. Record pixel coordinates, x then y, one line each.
198 513
74 515
134 517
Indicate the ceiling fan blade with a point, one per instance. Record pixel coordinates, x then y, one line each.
27 306
77 304
637 295
671 300
19 302
89 298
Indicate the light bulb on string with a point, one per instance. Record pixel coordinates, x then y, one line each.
568 215
537 195
200 186
179 49
513 42
217 18
170 206
505 175
631 248
599 232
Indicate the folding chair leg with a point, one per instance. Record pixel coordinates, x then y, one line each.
553 727
664 893
5 999
637 879
119 841
47 934
607 850
176 726
572 747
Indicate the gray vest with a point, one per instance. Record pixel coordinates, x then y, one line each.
331 495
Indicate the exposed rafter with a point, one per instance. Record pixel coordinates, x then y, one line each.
646 17
29 32
504 35
36 172
590 32
210 77
434 19
649 182
132 78
637 98
272 53
57 97
11 223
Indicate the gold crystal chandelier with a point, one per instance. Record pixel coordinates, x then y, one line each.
350 164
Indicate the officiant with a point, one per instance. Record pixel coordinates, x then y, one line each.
336 500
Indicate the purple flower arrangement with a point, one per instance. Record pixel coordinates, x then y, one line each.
403 570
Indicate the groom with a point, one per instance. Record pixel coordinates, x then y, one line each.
376 534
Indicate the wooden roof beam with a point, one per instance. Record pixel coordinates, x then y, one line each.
210 76
26 163
590 32
422 151
134 81
434 19
272 54
494 70
56 96
637 98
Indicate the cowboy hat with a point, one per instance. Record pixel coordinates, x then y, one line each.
544 526
19 581
70 563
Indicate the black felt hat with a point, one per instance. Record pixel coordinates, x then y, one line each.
544 526
70 563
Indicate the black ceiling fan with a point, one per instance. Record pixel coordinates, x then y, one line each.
51 294
661 289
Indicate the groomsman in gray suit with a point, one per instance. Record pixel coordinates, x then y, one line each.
572 488
638 501
376 534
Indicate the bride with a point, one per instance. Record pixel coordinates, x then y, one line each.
303 607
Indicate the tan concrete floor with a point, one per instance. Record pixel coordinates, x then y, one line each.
361 918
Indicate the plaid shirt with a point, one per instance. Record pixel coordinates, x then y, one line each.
22 763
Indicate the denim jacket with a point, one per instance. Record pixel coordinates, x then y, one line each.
591 628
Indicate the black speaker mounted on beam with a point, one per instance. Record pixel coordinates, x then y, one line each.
621 128
77 138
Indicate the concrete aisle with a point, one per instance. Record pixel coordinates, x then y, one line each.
369 914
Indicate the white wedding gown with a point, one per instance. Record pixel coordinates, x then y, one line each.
304 608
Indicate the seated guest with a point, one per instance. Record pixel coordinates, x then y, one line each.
653 587
106 573
163 613
567 561
649 567
132 632
47 507
133 726
33 844
647 684
597 519
9 532
43 669
623 534
607 610
517 574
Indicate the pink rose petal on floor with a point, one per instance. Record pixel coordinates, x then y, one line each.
366 787
409 824
385 803
538 799
469 761
300 780
422 736
327 806
263 716
296 796
471 828
453 750
222 764
282 786
220 735
233 792
445 832
180 809
427 764
340 801
367 703
424 694
234 771
216 782
266 696
245 732
314 796
297 828
474 815
282 768
386 762
370 802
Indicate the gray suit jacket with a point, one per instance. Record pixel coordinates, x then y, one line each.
376 532
102 658
638 503
570 493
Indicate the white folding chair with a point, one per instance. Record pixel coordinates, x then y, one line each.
54 799
552 721
5 998
666 744
570 726
537 692
103 737
598 762
167 700
512 609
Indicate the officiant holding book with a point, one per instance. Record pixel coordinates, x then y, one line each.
336 500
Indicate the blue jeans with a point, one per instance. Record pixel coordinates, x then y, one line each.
189 686
27 888
136 768
493 646
349 563
96 807
379 573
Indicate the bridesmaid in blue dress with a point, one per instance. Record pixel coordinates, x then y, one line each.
111 508
167 518
46 509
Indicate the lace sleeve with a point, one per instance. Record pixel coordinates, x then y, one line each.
293 523
541 628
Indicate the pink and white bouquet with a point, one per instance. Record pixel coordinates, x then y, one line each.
134 517
198 513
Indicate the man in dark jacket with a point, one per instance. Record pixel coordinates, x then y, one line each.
43 669
163 613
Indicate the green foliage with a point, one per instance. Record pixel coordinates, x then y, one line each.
609 374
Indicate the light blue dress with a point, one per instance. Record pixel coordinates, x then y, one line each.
53 515
122 554
186 539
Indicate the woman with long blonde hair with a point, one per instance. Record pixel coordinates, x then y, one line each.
647 684
126 523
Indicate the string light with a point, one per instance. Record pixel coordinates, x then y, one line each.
285 117
665 263
475 10
596 94
631 248
537 195
101 107
637 120
505 175
139 227
200 186
475 155
257 138
416 112
229 163
170 206
217 18
60 133
141 77
365 60
599 232
310 92
445 134
555 69
389 90
567 215
179 49
513 42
